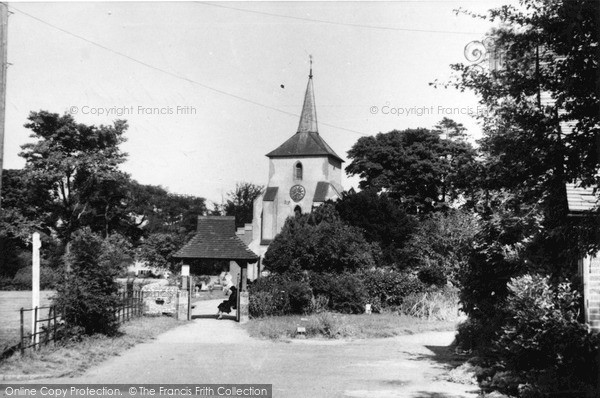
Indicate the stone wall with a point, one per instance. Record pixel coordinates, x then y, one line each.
160 299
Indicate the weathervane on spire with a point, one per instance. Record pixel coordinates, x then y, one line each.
310 58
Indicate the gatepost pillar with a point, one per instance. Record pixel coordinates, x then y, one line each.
244 297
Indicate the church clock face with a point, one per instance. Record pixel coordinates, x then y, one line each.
297 192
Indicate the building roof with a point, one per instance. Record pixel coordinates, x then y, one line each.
216 239
306 141
308 117
581 199
304 144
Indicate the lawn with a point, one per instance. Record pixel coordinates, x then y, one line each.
10 304
71 358
331 325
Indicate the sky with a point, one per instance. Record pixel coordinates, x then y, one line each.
209 88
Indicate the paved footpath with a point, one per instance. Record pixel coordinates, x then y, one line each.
213 351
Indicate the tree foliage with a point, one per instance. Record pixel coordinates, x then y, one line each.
319 242
543 346
160 211
240 202
415 166
158 248
382 220
88 293
75 170
540 131
441 245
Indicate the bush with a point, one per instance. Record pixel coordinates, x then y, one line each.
319 242
441 245
473 334
88 292
48 278
346 292
280 295
433 275
387 288
542 344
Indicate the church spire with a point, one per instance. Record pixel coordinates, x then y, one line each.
308 118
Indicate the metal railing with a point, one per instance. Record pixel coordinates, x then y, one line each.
48 328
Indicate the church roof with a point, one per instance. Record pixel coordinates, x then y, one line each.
306 141
216 239
304 144
308 117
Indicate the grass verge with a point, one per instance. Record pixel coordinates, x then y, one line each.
72 358
331 325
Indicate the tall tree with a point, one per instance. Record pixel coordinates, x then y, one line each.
160 211
382 219
450 129
542 125
541 130
78 164
240 202
416 166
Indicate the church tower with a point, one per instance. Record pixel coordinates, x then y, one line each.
304 172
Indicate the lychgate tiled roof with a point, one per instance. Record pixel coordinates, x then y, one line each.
581 199
216 239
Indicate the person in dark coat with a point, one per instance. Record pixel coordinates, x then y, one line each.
227 305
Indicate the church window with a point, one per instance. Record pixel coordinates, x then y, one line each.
298 171
297 211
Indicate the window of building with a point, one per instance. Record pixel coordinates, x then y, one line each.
298 171
297 211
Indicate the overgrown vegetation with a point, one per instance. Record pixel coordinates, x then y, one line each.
334 326
528 328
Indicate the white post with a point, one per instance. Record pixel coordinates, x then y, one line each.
35 282
185 270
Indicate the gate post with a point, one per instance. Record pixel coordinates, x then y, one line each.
243 297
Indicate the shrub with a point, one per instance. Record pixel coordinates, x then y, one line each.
474 334
542 342
441 245
280 295
88 293
300 297
48 278
387 288
346 292
433 275
319 242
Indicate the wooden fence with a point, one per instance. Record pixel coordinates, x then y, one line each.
49 328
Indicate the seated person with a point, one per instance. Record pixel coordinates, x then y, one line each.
231 302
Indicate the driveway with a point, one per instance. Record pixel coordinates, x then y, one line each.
212 351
